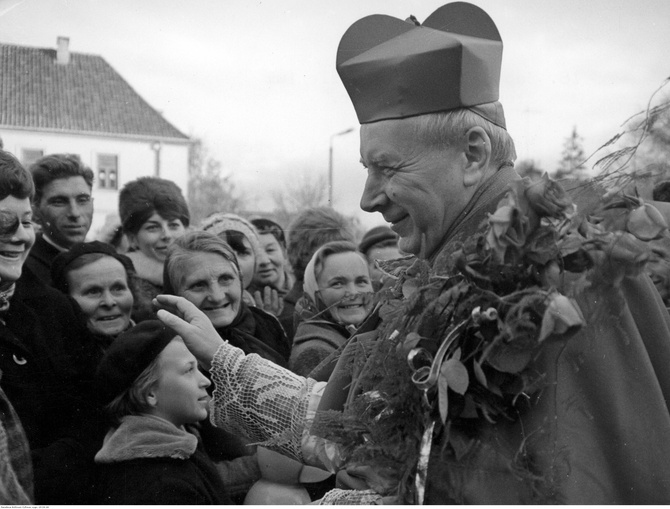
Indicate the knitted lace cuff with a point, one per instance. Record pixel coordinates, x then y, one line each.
351 497
258 399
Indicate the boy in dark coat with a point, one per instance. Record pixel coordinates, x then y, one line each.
152 389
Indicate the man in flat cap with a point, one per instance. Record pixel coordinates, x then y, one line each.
432 402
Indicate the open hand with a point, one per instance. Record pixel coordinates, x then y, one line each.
269 301
191 324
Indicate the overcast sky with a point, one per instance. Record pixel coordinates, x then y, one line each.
257 81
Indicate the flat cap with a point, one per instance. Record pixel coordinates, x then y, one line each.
395 69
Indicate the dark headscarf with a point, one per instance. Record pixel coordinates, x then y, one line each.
60 264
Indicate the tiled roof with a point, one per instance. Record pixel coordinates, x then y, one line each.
84 95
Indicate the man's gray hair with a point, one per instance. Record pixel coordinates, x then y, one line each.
440 129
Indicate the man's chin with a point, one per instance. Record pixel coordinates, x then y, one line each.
410 244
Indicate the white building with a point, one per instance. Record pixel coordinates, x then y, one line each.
55 101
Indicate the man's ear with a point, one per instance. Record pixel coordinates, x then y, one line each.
477 154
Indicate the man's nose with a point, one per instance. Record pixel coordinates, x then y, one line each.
75 209
373 197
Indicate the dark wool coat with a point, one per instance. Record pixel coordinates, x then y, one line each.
40 258
255 331
314 341
147 460
47 378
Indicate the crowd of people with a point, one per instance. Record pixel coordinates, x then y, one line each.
492 346
74 308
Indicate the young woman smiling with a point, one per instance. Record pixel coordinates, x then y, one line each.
153 214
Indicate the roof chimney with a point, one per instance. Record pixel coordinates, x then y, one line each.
63 51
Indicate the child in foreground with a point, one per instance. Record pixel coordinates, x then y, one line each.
152 389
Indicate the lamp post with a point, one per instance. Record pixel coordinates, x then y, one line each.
156 147
330 164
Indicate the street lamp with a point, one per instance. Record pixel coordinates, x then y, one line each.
330 164
156 147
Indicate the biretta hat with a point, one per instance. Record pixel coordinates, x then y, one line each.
395 69
128 356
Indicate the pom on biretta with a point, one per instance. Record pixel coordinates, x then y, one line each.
395 69
141 198
128 356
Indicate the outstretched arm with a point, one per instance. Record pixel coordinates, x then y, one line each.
252 396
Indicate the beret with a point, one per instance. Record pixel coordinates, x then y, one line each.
62 260
376 235
128 356
141 198
395 69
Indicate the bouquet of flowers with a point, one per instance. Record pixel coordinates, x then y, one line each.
460 335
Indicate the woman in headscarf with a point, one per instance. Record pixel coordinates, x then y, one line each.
153 214
242 236
203 268
100 281
338 297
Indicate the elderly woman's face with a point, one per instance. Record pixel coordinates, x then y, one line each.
101 289
345 287
419 190
156 235
213 284
14 247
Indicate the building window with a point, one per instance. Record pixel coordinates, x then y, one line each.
108 171
30 155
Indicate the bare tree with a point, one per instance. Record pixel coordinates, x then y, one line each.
303 193
208 190
572 163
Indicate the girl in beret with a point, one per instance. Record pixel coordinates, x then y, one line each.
154 393
338 297
153 214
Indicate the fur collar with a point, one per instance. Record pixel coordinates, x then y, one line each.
146 436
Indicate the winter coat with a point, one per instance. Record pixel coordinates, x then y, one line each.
148 460
39 260
47 378
255 331
16 473
314 341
